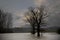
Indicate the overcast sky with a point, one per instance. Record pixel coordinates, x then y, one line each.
18 7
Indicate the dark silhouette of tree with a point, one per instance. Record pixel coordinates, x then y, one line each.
58 31
5 21
31 19
8 22
1 20
35 16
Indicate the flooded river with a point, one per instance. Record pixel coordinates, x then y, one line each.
29 36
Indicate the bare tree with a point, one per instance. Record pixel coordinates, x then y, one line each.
35 16
31 19
5 21
1 20
8 20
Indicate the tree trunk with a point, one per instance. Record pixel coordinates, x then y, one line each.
33 29
38 30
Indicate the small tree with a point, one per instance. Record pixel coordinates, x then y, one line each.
35 16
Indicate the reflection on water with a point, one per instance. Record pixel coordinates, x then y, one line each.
28 36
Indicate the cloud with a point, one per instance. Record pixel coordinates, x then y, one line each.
18 18
54 10
53 7
40 2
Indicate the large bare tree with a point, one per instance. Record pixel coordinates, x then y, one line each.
35 16
31 19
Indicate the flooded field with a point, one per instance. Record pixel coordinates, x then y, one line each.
28 36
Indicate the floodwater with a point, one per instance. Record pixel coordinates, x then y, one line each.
29 36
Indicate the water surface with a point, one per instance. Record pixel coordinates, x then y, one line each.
29 36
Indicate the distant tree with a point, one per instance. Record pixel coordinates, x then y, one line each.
5 21
9 20
35 16
2 17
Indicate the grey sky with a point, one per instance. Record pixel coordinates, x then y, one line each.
15 4
18 7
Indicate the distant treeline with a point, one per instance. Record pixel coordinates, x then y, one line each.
28 30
